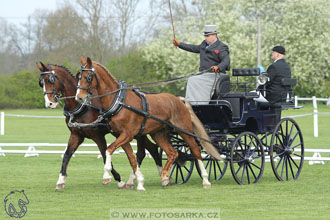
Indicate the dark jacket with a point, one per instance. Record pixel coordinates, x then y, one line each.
275 92
215 55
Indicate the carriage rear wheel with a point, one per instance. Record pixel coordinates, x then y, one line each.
287 150
214 168
247 159
184 164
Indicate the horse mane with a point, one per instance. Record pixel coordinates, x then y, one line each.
106 70
61 66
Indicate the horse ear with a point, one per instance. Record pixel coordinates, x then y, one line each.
39 66
44 67
82 60
89 61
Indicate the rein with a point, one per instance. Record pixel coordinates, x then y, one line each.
137 85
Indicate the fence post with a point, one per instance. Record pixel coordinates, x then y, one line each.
2 126
316 128
296 101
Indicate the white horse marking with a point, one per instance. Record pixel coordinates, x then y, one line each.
140 179
107 165
48 103
160 169
131 179
206 183
61 179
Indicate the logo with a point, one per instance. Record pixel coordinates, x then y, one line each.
15 204
216 51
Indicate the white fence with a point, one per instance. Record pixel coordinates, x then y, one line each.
314 99
315 112
32 151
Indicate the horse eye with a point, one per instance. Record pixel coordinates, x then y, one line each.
78 76
41 83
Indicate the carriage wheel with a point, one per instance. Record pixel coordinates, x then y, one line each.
287 150
247 159
184 164
215 169
265 140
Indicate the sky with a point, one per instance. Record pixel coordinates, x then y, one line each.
17 11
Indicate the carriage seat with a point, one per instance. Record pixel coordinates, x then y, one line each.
287 96
222 86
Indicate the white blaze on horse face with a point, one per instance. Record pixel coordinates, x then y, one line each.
48 103
78 91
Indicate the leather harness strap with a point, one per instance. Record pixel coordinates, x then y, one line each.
145 108
119 98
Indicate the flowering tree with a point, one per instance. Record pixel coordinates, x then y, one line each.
301 26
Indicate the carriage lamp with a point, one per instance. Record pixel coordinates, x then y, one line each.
263 78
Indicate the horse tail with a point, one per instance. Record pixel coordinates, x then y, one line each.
199 130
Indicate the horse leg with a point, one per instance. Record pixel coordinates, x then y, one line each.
197 154
161 138
73 143
123 140
102 145
136 173
144 143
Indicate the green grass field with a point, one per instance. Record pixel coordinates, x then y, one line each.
86 198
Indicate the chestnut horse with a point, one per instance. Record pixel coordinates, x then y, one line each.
57 80
95 78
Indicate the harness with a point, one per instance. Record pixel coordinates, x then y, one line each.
119 102
145 108
51 80
115 106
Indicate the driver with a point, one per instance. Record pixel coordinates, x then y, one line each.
214 56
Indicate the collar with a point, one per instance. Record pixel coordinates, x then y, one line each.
116 105
278 59
80 109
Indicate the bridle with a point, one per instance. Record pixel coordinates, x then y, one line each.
90 76
51 79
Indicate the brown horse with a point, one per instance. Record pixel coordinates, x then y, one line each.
94 78
57 80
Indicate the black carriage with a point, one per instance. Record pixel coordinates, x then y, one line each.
246 133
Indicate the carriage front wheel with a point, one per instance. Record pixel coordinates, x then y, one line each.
247 159
287 150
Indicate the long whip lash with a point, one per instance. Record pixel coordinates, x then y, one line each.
169 5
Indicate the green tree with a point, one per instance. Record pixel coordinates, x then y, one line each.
21 91
134 68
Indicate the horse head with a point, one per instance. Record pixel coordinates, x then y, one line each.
87 80
51 84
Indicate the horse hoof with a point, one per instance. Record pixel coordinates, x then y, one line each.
207 186
122 187
60 186
141 189
129 186
170 183
106 181
165 182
